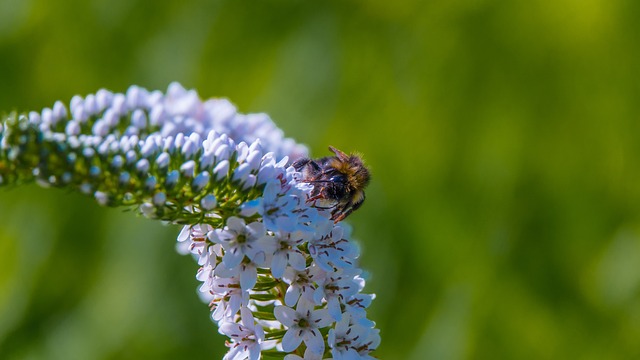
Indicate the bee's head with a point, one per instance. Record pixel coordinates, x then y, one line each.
353 167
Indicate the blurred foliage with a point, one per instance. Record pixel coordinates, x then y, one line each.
504 138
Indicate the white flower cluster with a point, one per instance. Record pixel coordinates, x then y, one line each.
169 154
140 112
287 259
279 274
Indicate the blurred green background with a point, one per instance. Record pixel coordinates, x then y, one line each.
503 219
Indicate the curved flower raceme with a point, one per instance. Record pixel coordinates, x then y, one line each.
280 276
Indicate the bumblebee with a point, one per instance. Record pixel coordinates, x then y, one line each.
339 182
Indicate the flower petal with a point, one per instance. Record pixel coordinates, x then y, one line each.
248 277
278 264
333 307
235 224
247 317
314 341
232 258
296 260
285 315
292 295
321 318
291 340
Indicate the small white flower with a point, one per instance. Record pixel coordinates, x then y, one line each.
241 173
228 297
124 178
131 156
72 128
172 178
333 251
190 148
118 104
187 169
103 98
207 160
239 240
287 252
301 283
335 287
102 198
242 150
159 198
350 340
246 271
137 97
221 170
150 147
86 188
277 208
253 160
222 152
303 324
200 181
148 210
150 183
142 166
163 160
342 341
246 337
59 111
249 182
139 119
208 202
355 307
198 242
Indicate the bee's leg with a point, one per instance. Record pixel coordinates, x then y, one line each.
300 164
316 194
316 197
346 210
341 215
340 212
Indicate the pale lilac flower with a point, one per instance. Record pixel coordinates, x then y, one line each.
287 252
333 251
356 307
303 324
208 202
247 271
239 240
221 169
337 286
227 297
159 198
269 169
246 337
301 283
343 339
277 208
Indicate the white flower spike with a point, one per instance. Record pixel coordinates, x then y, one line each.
279 275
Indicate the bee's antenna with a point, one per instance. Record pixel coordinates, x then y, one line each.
341 155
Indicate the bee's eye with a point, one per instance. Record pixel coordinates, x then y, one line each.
338 178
